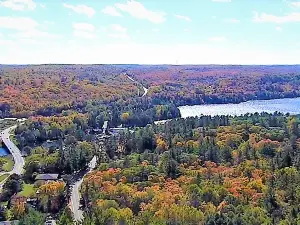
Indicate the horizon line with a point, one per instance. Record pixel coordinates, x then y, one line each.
143 64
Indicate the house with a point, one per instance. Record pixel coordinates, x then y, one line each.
161 122
46 177
51 144
50 222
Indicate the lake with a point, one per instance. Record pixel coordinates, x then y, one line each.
285 105
4 151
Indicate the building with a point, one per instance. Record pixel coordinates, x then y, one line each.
13 222
50 222
46 177
51 144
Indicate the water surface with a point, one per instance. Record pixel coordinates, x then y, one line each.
285 105
3 151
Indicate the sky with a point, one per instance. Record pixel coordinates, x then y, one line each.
150 31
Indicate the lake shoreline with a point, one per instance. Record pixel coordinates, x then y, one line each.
283 105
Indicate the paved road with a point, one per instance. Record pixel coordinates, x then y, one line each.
145 89
18 159
75 195
105 126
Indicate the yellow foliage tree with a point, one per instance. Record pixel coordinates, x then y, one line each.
124 117
18 209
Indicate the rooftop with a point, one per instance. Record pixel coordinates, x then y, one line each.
13 222
47 176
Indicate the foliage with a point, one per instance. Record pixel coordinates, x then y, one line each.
201 84
66 217
12 186
3 177
9 164
48 89
52 196
203 170
33 217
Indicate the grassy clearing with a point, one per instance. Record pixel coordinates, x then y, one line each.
6 124
3 204
8 166
13 139
3 177
28 190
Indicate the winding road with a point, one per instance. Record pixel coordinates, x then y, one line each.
18 158
144 88
18 169
145 91
75 195
19 164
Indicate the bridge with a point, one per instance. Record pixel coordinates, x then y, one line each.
18 158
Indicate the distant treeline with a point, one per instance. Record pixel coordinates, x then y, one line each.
49 89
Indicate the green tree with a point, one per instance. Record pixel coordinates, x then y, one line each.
33 217
66 217
256 216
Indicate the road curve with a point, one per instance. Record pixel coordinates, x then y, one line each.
18 158
145 91
75 195
144 88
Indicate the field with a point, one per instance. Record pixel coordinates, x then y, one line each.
3 177
28 190
8 166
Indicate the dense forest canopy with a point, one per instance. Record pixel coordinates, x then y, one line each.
204 170
27 90
49 89
190 85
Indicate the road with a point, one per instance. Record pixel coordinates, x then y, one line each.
144 88
145 91
75 195
105 126
18 169
18 158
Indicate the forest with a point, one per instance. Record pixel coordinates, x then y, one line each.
221 170
215 84
204 170
50 89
